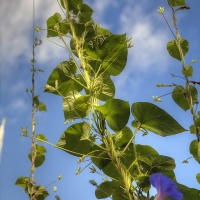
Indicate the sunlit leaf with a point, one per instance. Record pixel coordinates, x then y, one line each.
71 112
75 139
177 2
41 106
155 119
143 181
195 150
106 88
73 5
56 20
188 71
106 189
189 193
40 192
179 96
81 103
40 158
22 181
173 49
198 178
64 80
123 137
192 129
85 13
100 157
119 194
197 122
110 50
40 137
116 113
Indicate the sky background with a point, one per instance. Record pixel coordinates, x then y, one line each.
148 64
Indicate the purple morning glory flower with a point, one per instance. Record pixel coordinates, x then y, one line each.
165 187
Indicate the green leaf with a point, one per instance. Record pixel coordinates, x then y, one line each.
116 113
198 178
75 139
157 164
41 106
174 3
155 119
40 158
111 171
160 163
189 193
56 20
100 157
195 150
85 13
106 88
40 137
111 50
173 49
22 181
81 103
192 129
129 161
188 71
143 181
106 189
70 112
40 192
119 194
179 96
63 79
73 5
36 100
41 150
123 137
115 54
197 122
146 150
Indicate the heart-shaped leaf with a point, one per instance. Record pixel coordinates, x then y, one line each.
155 119
173 50
195 150
176 2
179 96
75 139
116 113
188 71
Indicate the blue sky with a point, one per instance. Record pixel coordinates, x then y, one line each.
148 64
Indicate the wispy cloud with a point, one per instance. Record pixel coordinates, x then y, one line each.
18 105
148 38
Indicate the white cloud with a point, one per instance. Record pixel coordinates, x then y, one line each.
149 40
17 88
17 105
100 7
17 29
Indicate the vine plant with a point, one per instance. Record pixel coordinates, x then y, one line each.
100 133
37 154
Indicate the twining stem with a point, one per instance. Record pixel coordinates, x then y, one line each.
33 147
115 157
78 44
188 92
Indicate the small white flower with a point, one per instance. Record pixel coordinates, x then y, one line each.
54 189
161 10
